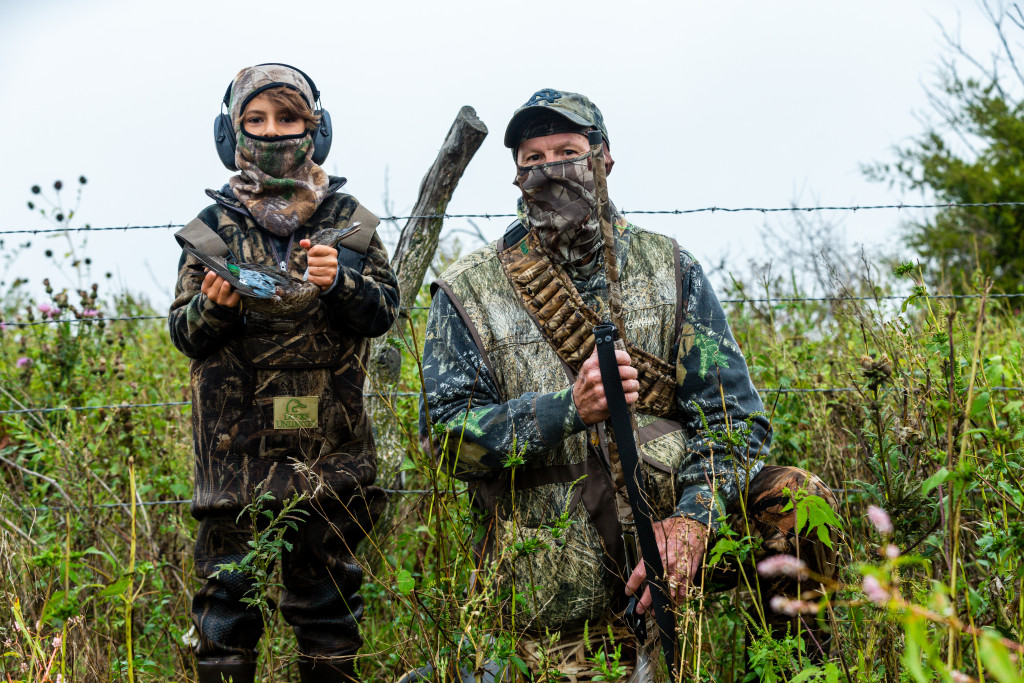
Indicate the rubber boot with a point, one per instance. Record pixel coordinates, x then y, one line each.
216 671
327 671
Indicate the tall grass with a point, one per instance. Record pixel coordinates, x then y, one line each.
97 581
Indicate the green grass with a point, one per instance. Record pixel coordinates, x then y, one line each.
102 593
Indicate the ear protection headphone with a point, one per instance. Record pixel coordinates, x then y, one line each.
224 130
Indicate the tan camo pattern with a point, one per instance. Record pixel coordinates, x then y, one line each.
568 323
570 583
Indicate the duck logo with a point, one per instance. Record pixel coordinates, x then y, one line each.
296 412
547 95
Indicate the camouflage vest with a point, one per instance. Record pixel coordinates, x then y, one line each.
243 393
567 576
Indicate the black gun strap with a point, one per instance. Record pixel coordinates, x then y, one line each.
625 442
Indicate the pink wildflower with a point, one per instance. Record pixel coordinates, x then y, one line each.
960 677
791 607
45 308
786 565
57 640
880 518
24 362
90 313
875 592
892 552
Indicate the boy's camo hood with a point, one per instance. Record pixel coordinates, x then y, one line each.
253 80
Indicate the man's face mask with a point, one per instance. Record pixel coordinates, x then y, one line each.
561 205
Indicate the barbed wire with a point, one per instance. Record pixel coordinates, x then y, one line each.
406 394
672 212
762 300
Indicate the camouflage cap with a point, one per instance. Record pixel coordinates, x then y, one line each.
253 80
572 106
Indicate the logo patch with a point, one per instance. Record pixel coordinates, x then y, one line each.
296 412
547 94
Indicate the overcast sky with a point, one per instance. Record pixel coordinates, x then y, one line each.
743 103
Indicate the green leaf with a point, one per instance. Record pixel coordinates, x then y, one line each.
404 583
996 659
116 588
521 665
934 480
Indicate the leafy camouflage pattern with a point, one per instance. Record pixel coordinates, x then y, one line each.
253 78
240 364
560 203
572 106
278 181
568 323
496 387
319 574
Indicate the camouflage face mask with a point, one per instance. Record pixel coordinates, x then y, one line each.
560 203
278 181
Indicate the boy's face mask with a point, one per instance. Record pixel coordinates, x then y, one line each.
278 181
560 201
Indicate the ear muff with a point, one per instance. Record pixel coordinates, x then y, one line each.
224 130
321 138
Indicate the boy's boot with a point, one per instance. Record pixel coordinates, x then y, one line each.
221 671
323 670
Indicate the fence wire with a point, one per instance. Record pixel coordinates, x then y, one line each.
763 300
672 212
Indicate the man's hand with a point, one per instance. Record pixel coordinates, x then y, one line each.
219 291
681 544
588 391
321 264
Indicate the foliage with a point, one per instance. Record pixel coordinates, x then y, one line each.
973 153
923 428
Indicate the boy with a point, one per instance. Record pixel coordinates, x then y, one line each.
277 400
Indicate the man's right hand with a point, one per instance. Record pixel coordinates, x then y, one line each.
219 291
588 391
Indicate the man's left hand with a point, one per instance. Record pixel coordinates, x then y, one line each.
681 544
321 264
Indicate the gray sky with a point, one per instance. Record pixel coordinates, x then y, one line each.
743 103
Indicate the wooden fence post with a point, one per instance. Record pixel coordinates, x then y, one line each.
413 255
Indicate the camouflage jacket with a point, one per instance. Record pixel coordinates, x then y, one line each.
243 372
480 427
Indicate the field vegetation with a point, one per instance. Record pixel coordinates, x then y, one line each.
899 398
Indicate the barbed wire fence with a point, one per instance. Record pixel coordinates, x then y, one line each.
492 216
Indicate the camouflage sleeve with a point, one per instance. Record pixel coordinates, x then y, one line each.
365 303
720 407
474 430
197 325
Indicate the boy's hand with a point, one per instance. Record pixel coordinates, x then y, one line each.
219 291
321 264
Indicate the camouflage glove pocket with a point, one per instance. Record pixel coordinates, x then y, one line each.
662 448
293 351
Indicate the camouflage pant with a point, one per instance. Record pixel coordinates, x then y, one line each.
320 578
775 532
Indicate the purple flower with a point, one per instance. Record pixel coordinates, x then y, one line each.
90 313
880 518
787 565
892 552
24 362
791 607
45 308
875 592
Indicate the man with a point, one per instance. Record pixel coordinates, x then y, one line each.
512 381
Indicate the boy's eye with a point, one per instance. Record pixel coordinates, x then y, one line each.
254 119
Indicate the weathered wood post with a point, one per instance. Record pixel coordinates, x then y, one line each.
416 246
